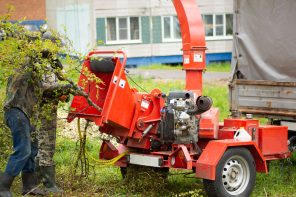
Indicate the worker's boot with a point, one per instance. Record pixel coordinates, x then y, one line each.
30 184
5 184
48 177
37 171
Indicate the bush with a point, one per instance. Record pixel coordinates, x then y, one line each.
5 140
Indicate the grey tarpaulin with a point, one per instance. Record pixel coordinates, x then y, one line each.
265 40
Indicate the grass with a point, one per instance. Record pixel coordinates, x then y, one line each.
224 67
281 180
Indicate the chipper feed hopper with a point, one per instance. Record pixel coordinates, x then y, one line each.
181 129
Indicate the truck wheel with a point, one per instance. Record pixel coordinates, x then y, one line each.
235 175
292 143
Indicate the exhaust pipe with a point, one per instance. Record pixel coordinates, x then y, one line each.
203 104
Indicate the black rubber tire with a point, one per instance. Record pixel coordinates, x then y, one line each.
216 189
123 171
102 65
292 144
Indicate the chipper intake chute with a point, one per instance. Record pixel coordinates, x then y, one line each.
125 112
180 129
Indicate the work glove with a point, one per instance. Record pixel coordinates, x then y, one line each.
64 98
57 91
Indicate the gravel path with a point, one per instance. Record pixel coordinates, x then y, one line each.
176 74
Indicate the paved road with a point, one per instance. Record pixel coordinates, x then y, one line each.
176 74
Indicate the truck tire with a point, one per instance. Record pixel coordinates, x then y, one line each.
235 175
292 143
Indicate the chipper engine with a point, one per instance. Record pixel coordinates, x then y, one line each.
179 129
179 122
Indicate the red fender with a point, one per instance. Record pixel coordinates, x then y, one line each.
213 152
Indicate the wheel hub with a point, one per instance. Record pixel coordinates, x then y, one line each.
234 176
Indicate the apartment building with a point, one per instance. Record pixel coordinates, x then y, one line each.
147 30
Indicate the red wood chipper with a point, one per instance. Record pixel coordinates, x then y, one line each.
179 130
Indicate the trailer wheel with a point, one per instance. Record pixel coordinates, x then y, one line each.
235 175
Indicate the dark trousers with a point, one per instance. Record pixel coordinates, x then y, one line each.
22 159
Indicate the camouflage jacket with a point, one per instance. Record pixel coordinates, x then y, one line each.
49 84
25 91
28 92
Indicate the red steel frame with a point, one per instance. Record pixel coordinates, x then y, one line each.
194 45
127 113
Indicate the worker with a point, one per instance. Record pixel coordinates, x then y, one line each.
46 134
22 97
24 94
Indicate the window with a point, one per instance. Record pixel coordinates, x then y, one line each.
209 25
111 29
229 24
171 29
218 26
123 30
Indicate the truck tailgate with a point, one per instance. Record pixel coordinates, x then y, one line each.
271 99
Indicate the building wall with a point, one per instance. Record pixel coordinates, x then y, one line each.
75 19
150 13
85 21
28 9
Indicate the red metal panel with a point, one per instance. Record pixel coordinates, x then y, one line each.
120 102
226 133
114 96
108 151
79 105
273 140
211 155
180 157
209 124
250 125
136 143
237 123
147 113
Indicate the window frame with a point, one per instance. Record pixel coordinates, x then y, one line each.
127 41
173 37
224 36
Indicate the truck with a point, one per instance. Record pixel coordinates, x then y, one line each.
179 129
263 62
